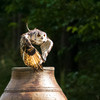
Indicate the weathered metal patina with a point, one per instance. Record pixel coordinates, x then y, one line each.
25 84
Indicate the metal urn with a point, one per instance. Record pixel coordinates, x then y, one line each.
25 84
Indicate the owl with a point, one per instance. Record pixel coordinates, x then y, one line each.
30 55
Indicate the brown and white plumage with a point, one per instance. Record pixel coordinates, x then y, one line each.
29 53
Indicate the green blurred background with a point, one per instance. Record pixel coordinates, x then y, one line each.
74 27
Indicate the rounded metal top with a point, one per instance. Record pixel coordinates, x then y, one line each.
30 69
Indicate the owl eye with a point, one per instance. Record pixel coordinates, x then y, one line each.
44 35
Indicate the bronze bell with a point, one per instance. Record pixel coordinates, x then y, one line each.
25 84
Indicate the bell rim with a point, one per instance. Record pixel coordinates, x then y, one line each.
30 69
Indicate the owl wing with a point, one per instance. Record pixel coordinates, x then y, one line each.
46 48
30 55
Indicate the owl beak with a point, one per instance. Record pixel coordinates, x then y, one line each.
41 37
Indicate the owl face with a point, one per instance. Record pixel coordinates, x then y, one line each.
38 37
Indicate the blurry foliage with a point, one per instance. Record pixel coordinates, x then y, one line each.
82 85
78 21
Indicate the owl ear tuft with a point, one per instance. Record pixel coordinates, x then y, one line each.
27 27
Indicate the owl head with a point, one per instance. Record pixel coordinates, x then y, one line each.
38 37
